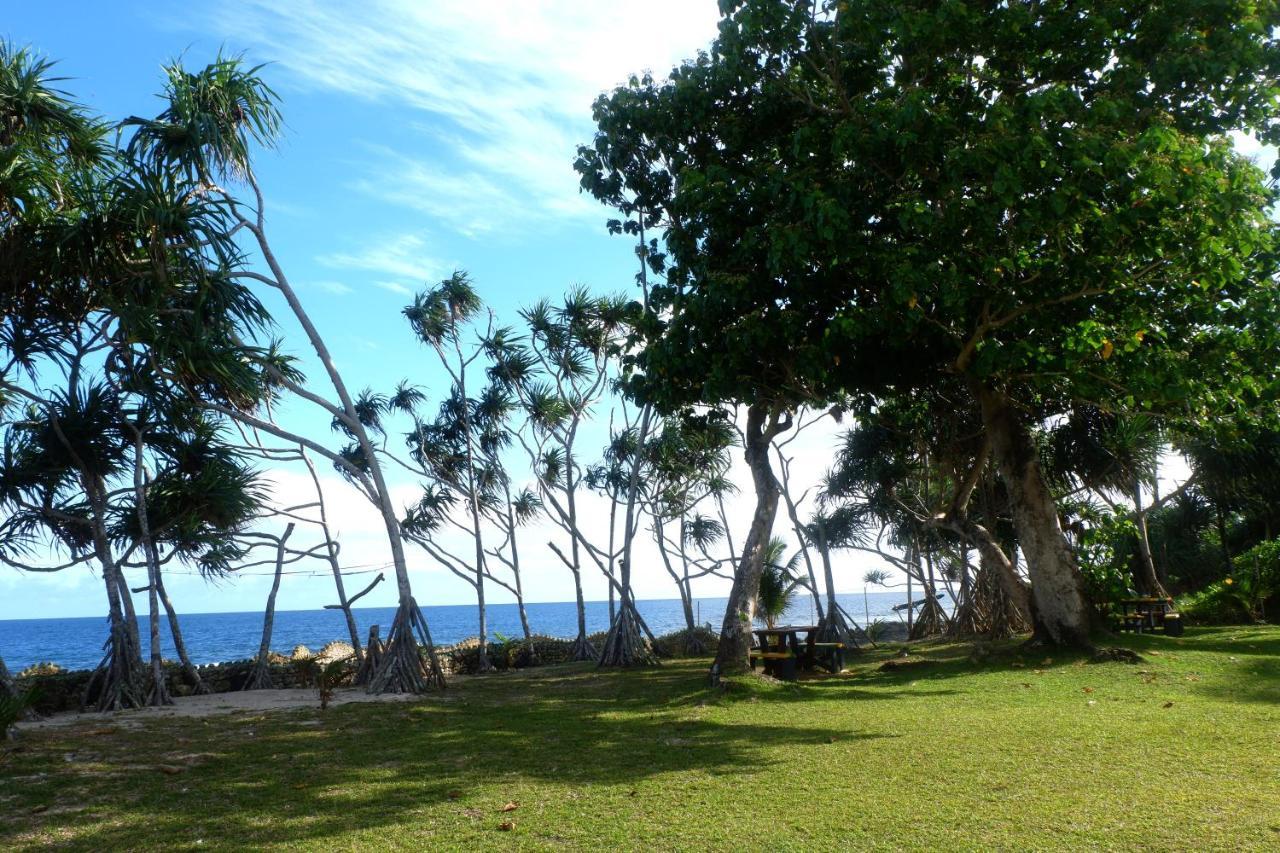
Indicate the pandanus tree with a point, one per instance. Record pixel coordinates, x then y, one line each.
1041 202
212 122
1116 458
685 465
458 452
560 365
917 473
63 461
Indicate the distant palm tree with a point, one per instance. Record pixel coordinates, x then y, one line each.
777 583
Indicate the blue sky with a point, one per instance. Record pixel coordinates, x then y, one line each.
421 137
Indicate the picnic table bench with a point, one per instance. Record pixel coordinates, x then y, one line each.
1144 614
783 653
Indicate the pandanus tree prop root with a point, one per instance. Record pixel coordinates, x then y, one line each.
836 627
582 649
995 615
624 645
931 621
260 676
402 669
119 682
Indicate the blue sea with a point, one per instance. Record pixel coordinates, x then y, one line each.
214 637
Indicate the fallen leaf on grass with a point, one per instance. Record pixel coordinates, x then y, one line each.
510 807
507 825
1167 705
1087 689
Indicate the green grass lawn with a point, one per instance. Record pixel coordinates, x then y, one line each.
1015 752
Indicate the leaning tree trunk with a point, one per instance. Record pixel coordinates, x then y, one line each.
260 677
794 514
159 692
832 625
119 681
582 649
739 615
331 553
198 687
693 645
1062 613
1148 579
402 666
624 645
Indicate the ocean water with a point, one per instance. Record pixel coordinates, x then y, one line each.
213 637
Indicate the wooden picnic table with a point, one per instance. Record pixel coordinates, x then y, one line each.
782 650
1146 613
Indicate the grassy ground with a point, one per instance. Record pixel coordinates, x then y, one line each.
1181 751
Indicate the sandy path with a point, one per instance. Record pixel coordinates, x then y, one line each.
219 703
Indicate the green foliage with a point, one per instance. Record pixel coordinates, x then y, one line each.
1104 547
777 583
1216 604
14 705
324 675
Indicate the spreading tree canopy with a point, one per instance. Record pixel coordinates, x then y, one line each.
1039 200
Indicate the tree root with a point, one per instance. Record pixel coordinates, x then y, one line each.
260 677
931 621
624 646
401 668
835 627
119 682
582 649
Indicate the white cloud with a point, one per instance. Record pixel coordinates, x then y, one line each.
504 89
400 255
337 288
394 287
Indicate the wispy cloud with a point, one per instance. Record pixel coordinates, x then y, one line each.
402 255
337 288
394 287
504 89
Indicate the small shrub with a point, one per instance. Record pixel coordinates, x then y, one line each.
14 705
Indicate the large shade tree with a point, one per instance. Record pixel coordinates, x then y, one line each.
1039 201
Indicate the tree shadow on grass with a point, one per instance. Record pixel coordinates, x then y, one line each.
286 778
